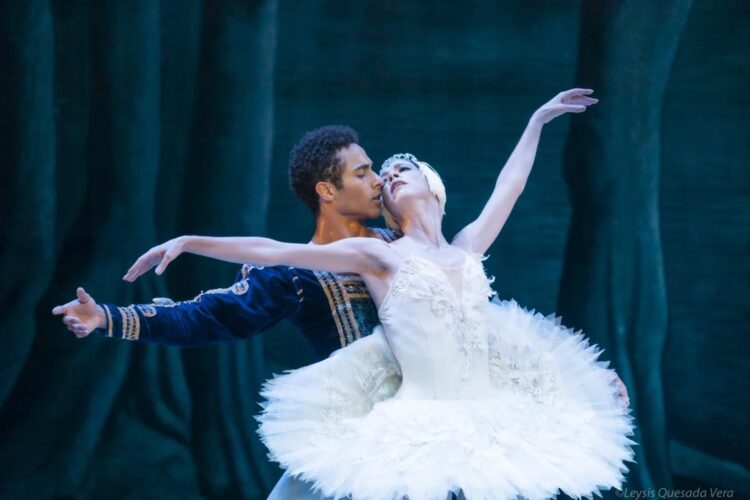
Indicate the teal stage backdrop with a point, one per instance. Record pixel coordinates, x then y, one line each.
125 123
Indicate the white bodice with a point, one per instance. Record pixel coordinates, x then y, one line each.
434 319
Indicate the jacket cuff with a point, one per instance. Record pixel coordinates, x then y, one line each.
122 322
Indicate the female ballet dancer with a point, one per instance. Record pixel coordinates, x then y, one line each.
454 394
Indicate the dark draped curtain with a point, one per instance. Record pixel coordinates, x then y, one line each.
125 123
613 283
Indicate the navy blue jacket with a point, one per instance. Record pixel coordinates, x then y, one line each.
331 310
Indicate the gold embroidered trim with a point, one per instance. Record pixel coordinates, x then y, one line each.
245 271
353 333
332 304
128 324
137 332
109 320
241 287
337 290
163 302
213 290
246 268
148 310
123 320
352 287
131 323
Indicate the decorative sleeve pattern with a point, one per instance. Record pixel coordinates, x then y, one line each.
253 304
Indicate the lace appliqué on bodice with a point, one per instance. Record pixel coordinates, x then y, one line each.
460 310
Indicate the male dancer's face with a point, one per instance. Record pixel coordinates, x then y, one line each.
361 190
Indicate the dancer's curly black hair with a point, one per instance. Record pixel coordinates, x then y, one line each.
315 158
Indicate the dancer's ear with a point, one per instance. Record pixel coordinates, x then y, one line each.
326 191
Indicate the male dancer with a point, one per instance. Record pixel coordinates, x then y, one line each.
332 174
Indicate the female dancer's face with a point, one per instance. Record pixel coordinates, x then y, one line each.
402 181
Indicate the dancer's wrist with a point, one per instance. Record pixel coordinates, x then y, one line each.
101 317
186 243
535 123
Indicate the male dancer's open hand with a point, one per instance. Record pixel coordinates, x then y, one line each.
159 256
81 315
568 101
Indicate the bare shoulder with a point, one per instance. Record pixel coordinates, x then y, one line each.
379 253
364 243
378 247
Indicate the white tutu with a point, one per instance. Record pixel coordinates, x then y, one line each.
526 411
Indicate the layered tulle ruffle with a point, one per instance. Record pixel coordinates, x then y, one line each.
552 421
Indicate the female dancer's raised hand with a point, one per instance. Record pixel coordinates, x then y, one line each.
159 256
482 232
567 101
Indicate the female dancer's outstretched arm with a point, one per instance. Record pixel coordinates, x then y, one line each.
480 234
354 255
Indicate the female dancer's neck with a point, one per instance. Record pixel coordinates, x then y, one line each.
423 223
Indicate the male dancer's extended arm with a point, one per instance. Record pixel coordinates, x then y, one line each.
253 304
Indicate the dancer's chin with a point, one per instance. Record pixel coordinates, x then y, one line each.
374 214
